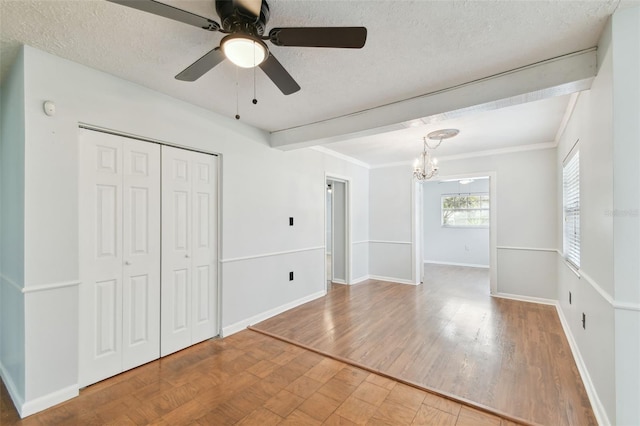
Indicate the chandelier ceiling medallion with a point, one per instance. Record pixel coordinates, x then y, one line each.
425 167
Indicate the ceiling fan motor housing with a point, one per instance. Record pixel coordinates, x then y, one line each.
237 18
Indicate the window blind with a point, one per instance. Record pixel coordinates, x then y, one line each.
571 207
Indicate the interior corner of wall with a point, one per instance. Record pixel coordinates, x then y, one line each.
604 44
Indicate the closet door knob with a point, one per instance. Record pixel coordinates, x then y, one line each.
126 262
186 255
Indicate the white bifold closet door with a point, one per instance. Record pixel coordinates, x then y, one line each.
119 259
189 248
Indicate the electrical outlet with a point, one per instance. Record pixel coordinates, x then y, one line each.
569 297
584 321
290 221
291 276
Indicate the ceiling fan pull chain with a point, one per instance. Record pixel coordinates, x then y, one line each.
255 98
237 103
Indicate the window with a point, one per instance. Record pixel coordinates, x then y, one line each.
571 209
465 210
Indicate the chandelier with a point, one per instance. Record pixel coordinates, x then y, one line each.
425 167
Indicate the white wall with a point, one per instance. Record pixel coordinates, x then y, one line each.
626 206
390 223
258 247
591 123
461 246
12 145
606 122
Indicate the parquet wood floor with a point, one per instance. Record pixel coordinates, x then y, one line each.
251 379
449 335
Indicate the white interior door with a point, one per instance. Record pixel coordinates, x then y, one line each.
119 262
189 248
141 252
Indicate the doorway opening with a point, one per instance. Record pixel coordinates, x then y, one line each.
337 267
455 225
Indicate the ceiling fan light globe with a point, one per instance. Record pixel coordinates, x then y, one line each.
244 51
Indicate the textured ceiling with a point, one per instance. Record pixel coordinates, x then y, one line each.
413 47
511 127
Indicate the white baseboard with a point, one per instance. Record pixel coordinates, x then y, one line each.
596 404
531 299
391 279
468 265
28 408
11 388
241 325
338 281
48 401
360 279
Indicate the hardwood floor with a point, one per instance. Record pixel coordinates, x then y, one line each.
449 335
251 379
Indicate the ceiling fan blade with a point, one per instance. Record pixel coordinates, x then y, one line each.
280 77
202 66
164 10
252 6
342 37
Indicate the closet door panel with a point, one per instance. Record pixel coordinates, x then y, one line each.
141 253
100 260
176 255
205 256
189 248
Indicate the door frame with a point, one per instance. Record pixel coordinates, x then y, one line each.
347 238
417 209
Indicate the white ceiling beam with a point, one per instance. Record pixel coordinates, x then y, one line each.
553 77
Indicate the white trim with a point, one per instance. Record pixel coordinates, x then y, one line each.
279 253
624 306
52 286
347 180
569 265
336 281
11 388
11 282
93 128
49 400
598 409
241 325
476 154
360 242
340 156
468 265
527 248
531 299
389 242
360 279
501 151
605 295
391 279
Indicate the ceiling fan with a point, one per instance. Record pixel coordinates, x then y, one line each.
244 22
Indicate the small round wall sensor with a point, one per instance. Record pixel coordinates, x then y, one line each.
49 108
